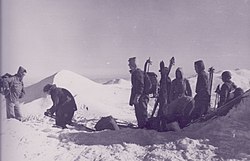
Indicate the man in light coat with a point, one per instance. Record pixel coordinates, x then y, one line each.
13 91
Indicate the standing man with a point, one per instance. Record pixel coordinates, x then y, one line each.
138 98
63 105
202 98
13 91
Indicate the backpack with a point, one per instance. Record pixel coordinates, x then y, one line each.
106 123
2 80
162 124
150 83
150 80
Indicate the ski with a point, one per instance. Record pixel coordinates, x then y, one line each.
210 82
74 124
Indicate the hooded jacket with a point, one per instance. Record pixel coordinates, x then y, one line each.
14 85
180 86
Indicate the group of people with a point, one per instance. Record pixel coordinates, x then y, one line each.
63 106
170 94
175 97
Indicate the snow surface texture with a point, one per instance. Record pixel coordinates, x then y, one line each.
225 138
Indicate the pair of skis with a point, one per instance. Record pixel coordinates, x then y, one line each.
210 85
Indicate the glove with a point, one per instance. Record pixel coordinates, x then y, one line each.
48 113
136 99
21 95
6 92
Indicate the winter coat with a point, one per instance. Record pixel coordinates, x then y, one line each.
226 92
14 88
180 87
62 100
202 86
137 81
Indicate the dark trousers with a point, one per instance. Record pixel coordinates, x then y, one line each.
163 100
64 117
141 111
201 108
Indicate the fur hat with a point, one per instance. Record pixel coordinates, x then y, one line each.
21 70
48 87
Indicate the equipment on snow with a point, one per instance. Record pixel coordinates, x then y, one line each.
2 82
161 124
217 96
106 123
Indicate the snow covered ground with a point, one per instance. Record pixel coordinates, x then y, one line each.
225 138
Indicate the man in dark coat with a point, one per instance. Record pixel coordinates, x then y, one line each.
180 86
13 91
63 106
138 98
226 92
202 97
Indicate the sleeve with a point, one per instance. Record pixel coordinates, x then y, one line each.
202 83
188 90
55 100
7 82
139 82
131 99
22 91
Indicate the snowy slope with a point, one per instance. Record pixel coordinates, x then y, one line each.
122 82
36 139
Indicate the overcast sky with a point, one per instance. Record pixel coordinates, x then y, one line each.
95 38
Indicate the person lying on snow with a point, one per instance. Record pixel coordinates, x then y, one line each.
63 106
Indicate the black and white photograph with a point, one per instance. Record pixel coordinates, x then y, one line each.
125 80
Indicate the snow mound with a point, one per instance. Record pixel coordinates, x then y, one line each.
93 99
